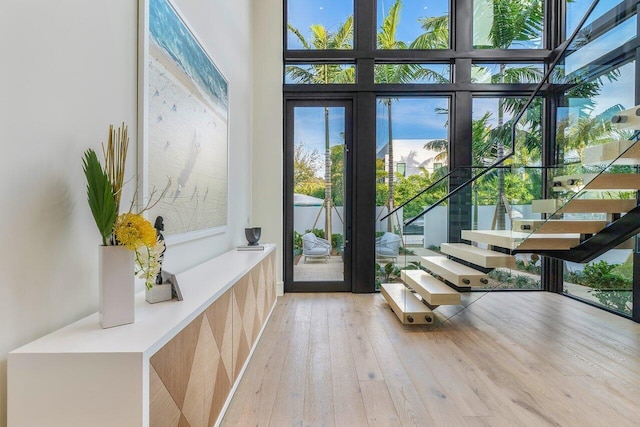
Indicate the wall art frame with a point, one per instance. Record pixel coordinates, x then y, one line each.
183 126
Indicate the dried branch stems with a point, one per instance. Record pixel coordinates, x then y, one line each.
115 157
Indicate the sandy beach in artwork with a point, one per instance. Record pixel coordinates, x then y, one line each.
187 145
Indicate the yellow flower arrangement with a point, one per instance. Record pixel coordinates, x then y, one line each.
104 188
133 230
137 234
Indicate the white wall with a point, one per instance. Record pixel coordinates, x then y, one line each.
69 69
267 124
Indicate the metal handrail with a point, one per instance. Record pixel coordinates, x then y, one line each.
420 193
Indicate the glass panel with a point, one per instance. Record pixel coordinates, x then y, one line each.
577 8
415 24
412 73
318 24
584 117
507 24
320 74
607 280
503 197
418 131
506 73
587 143
589 51
318 193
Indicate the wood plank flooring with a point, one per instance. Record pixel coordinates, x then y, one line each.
508 359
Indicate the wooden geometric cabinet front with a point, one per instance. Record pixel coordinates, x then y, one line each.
191 376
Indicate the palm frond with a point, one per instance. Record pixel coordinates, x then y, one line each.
299 74
343 38
99 194
299 35
387 34
436 33
320 37
524 74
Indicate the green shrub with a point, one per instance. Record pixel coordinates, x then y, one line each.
614 299
529 267
517 281
336 240
318 232
600 275
297 240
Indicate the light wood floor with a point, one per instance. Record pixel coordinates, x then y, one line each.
509 359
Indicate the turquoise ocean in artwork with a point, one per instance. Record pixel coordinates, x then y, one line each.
168 31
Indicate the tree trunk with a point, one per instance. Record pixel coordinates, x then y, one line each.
391 174
327 178
500 208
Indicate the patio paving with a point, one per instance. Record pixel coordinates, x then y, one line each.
318 270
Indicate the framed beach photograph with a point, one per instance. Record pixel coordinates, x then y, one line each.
183 126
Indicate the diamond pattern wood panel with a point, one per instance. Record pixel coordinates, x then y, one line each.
192 375
220 377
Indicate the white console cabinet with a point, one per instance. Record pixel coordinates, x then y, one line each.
178 364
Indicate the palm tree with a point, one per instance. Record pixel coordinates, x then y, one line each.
513 20
393 73
325 74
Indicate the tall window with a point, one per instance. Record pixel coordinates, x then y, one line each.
508 24
418 24
319 24
434 85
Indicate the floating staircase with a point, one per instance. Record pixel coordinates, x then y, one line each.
576 240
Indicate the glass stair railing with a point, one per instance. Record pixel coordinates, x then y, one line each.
430 272
514 210
594 207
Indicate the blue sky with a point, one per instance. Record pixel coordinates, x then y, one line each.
309 127
331 13
412 118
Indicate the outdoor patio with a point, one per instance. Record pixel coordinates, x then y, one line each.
316 270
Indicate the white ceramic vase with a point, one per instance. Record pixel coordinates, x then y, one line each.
117 286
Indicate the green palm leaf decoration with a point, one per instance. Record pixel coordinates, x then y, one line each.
99 194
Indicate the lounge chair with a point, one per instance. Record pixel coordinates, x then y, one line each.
315 247
388 246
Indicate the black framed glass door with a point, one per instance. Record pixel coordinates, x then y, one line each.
318 139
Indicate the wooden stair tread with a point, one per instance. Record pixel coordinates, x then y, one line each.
598 206
603 181
632 154
409 309
454 272
483 257
615 181
431 289
610 151
554 226
573 182
550 206
516 239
